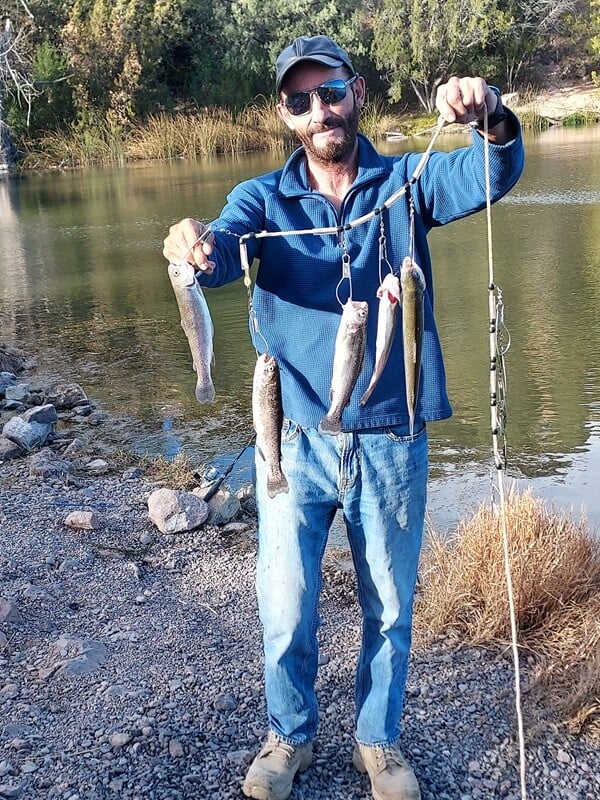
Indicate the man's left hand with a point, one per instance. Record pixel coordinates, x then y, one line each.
463 100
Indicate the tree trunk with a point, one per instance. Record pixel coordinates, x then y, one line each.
7 148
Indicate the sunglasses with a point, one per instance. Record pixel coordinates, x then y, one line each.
329 94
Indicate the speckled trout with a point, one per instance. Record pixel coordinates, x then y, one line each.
348 360
267 415
387 316
197 325
412 282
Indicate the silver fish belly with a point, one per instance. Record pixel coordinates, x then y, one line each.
347 362
412 282
387 316
267 416
197 325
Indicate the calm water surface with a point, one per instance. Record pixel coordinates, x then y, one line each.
83 285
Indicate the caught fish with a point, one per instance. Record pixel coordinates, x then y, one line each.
267 415
387 316
347 362
197 325
412 282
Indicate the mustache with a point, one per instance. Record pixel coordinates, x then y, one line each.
327 125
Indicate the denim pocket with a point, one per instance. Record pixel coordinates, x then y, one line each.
401 433
290 430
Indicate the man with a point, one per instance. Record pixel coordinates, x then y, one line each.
375 470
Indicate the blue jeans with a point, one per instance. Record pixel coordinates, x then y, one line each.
379 479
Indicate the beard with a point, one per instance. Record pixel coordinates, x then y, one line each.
334 152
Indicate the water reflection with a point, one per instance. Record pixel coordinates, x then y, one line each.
84 286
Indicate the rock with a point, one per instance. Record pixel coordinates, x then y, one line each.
12 359
82 520
236 527
175 511
132 473
13 405
6 379
45 415
17 392
223 506
225 702
97 467
9 692
9 611
9 449
47 464
175 748
87 656
9 790
76 446
27 435
66 396
119 739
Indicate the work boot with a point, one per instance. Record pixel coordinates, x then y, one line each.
272 772
390 773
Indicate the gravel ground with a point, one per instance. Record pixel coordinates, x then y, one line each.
130 667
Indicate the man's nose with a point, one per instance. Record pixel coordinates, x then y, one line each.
318 108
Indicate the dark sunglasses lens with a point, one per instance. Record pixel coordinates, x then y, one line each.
329 93
298 103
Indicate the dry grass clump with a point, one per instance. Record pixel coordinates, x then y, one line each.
207 132
178 473
555 567
567 647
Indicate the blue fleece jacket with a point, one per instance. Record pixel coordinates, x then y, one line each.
294 295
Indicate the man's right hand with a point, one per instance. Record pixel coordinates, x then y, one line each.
182 244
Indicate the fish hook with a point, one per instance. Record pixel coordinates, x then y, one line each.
346 275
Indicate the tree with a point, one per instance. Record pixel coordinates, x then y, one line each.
130 56
254 32
524 27
15 79
421 42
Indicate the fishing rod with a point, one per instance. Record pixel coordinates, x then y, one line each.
499 342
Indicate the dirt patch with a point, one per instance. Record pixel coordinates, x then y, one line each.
556 104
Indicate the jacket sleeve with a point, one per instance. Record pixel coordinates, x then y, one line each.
243 213
453 185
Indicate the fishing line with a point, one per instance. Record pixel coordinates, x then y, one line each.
383 259
348 226
499 343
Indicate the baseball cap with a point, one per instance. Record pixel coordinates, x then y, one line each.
321 49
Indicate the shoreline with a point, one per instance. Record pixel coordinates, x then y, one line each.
130 664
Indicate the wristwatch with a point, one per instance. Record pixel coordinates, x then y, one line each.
497 116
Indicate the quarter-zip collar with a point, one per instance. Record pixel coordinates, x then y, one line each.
294 177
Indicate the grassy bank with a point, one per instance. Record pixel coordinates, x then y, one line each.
208 132
555 566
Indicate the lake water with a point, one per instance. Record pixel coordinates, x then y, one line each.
84 287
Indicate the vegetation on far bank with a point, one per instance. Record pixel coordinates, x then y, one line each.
220 131
94 82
